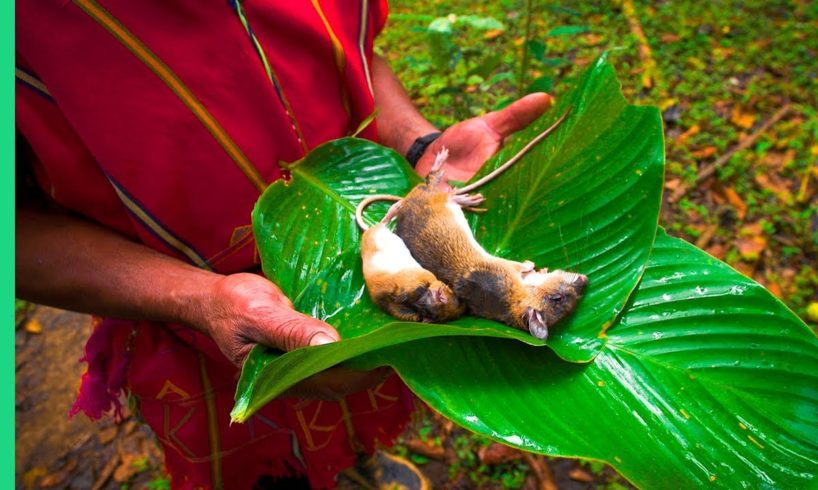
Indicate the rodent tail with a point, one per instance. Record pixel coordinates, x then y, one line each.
359 211
502 168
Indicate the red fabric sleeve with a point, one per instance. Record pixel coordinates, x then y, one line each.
379 11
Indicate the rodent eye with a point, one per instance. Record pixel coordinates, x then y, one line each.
556 298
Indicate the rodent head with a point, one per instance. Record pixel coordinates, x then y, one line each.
552 296
437 303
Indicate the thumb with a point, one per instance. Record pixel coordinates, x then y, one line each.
287 329
518 114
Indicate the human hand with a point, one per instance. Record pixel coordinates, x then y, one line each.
473 141
244 309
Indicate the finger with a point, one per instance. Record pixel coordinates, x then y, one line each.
518 114
288 329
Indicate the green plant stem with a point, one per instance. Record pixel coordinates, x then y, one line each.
529 13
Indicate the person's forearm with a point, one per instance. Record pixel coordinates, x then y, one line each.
399 122
70 263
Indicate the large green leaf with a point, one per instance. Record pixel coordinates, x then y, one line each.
586 199
310 246
705 379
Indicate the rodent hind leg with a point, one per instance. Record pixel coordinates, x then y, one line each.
467 200
436 172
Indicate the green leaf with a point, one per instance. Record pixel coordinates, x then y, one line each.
481 23
497 78
486 65
541 84
586 199
444 51
566 31
706 379
536 48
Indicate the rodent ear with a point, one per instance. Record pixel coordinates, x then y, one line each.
537 325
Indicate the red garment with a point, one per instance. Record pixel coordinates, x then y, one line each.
158 119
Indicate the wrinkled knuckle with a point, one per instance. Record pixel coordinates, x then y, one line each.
291 333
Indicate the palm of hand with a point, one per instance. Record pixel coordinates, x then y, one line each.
473 141
470 143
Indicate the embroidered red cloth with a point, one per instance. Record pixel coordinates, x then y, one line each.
159 120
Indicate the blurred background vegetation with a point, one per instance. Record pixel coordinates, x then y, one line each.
737 84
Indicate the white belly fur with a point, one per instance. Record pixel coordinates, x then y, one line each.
460 220
391 255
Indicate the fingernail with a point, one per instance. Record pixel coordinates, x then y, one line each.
320 339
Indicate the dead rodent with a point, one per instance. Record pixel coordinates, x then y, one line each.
433 227
399 285
431 224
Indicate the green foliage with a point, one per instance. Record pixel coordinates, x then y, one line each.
459 66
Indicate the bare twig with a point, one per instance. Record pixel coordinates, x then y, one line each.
426 449
541 470
107 471
708 170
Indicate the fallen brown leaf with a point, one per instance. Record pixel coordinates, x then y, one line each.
578 474
717 250
497 453
493 34
744 268
736 201
107 435
34 326
751 229
56 478
672 184
774 184
669 37
750 248
774 288
126 469
706 152
742 116
31 476
129 427
778 159
592 39
691 131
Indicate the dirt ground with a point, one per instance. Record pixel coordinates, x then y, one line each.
53 451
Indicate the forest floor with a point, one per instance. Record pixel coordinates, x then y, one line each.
738 88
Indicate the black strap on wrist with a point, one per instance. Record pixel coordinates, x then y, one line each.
419 146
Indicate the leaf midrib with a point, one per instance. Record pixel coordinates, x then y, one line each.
327 190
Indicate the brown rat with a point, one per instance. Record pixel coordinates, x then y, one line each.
432 225
398 284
